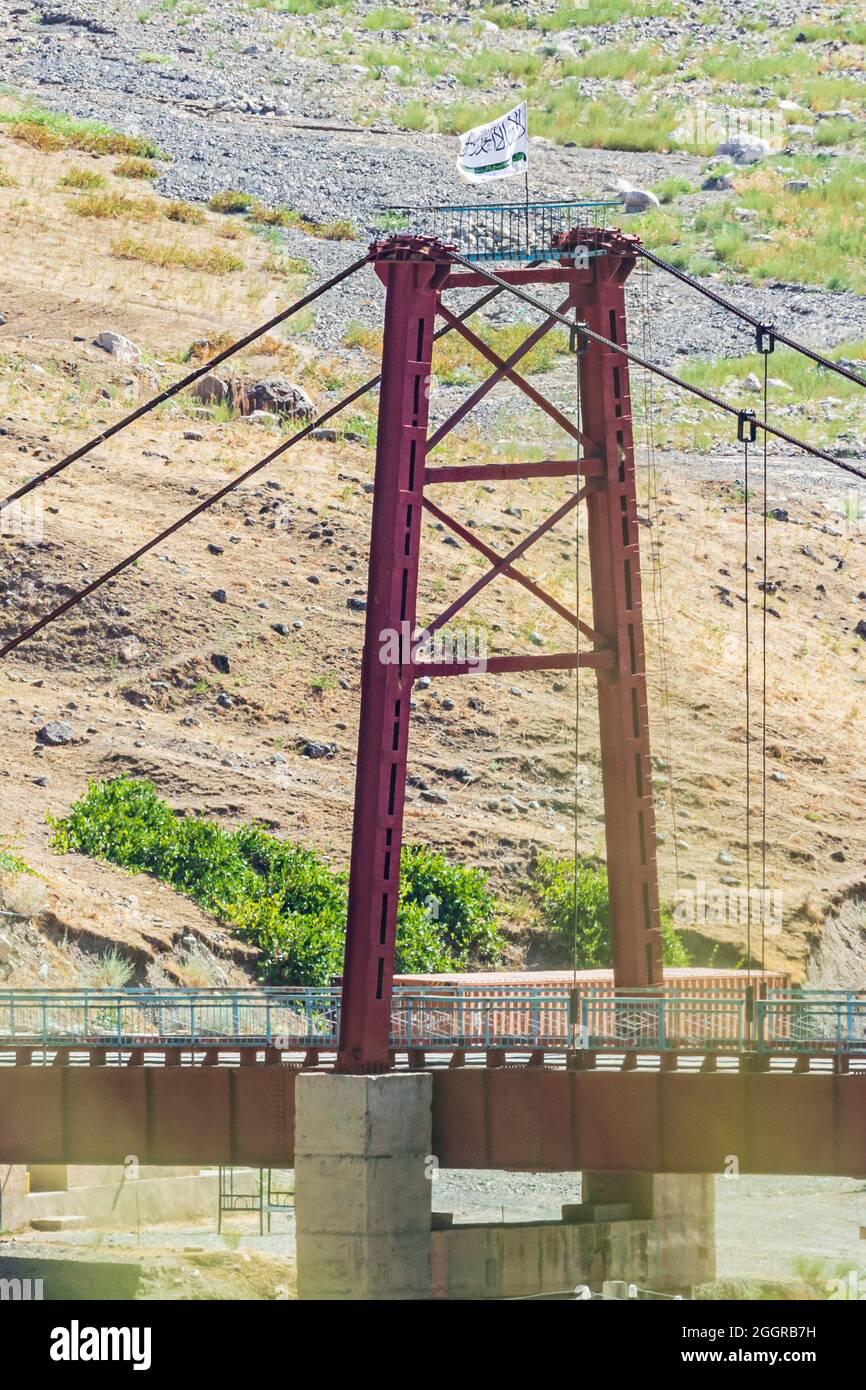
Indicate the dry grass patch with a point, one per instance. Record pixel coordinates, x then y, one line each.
85 179
38 137
213 260
136 169
339 230
49 131
6 179
112 204
185 212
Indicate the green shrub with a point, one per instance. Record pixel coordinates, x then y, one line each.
11 864
231 200
282 898
672 188
552 887
52 130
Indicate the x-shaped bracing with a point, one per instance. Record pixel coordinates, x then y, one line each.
588 466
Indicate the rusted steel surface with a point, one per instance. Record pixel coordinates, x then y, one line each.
522 1118
171 1115
614 552
411 277
532 1119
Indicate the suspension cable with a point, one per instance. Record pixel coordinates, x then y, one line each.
188 380
215 497
578 424
756 323
653 367
765 535
748 695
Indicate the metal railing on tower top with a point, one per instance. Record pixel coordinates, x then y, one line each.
501 231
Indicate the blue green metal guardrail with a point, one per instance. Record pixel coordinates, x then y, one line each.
787 1021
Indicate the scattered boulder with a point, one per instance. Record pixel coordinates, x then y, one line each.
55 733
75 19
717 183
212 389
317 749
279 396
117 346
860 629
23 895
220 662
639 200
744 149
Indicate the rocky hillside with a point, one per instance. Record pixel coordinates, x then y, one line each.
217 664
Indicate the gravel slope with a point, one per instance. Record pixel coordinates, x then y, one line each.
211 101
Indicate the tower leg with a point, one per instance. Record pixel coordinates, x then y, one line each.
616 595
411 280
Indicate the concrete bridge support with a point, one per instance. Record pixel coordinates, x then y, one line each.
363 1211
362 1185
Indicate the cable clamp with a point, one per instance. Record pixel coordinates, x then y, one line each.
747 426
765 337
577 339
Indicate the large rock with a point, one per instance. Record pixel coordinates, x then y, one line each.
639 200
744 149
23 895
211 389
55 733
117 346
279 396
716 183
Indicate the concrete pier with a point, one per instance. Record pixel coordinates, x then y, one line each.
363 1211
649 1229
362 1185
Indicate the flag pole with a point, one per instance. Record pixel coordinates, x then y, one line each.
526 179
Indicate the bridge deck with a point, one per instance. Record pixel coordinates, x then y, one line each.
525 1117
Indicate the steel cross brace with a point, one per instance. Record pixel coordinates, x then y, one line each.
414 271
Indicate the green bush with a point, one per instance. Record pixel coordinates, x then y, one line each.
11 864
231 200
281 897
552 887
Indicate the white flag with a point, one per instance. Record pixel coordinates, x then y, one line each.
495 150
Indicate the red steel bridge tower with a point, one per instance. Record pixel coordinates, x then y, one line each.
586 267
